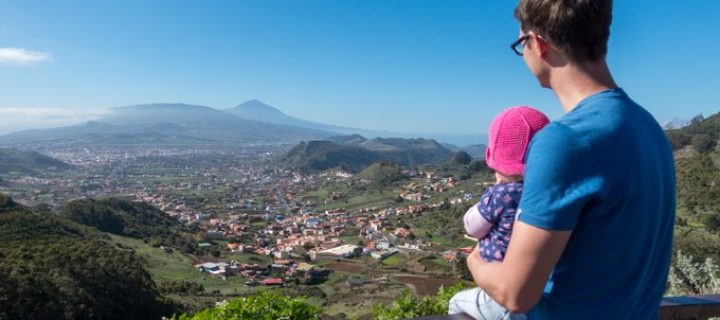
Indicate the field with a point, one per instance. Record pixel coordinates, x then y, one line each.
425 285
394 260
177 266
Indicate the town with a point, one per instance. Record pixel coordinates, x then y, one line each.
262 225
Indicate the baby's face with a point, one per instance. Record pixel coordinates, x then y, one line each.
499 177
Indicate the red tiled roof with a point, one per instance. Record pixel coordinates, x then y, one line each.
273 281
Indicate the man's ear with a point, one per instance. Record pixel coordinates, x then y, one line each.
541 45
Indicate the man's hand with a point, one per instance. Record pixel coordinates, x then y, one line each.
474 260
517 283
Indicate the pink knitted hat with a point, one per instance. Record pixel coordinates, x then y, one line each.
510 134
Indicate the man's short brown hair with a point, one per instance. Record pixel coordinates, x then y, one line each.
578 28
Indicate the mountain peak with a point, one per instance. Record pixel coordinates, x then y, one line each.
258 107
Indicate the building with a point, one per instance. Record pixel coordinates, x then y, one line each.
344 251
273 282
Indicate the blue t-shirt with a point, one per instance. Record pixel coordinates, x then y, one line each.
605 171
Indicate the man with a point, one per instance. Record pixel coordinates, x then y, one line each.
593 235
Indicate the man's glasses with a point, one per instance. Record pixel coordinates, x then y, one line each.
518 46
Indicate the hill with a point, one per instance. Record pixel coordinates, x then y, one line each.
132 219
166 123
28 162
477 151
408 152
698 165
382 173
8 205
313 156
53 268
355 153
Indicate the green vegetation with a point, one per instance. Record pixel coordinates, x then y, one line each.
317 156
355 153
688 277
382 173
53 268
268 305
698 187
702 133
133 219
393 260
445 227
461 158
408 305
8 205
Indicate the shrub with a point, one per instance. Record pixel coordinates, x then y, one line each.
688 277
407 305
263 305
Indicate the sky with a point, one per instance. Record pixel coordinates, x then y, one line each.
441 66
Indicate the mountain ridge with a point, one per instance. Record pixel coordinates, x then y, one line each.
250 122
355 153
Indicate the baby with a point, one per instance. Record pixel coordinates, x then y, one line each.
491 219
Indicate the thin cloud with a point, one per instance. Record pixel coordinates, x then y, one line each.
14 119
22 57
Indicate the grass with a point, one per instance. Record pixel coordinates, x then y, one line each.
350 239
176 266
436 264
695 224
394 260
162 266
334 281
248 258
259 224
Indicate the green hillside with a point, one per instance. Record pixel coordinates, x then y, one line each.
8 205
355 153
132 219
697 161
28 162
52 268
698 165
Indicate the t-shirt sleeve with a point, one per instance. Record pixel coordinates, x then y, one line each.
475 224
561 179
487 205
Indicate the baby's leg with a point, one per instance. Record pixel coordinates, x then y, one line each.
478 304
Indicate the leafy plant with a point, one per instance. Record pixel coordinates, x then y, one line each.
407 305
688 277
263 305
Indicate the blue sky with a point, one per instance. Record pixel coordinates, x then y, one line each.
413 66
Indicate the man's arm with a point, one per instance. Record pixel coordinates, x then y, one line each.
518 282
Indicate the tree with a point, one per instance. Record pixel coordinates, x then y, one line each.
712 222
477 166
697 119
52 268
358 251
461 157
702 142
